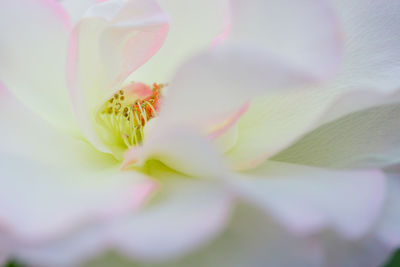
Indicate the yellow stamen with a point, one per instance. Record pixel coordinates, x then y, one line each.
125 118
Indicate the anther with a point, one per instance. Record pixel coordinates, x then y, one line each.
126 118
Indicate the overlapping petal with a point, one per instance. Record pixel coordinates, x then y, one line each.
214 84
175 147
366 78
76 8
258 63
67 250
187 214
368 138
273 122
34 38
46 164
113 39
251 239
372 55
282 28
307 199
193 26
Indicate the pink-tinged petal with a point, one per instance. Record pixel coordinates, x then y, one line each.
188 214
372 45
222 126
307 199
365 139
367 78
65 180
77 8
68 250
71 247
235 75
62 197
388 229
273 122
179 148
193 26
34 38
304 33
242 69
250 239
183 205
112 40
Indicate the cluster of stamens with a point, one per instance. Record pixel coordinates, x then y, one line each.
127 118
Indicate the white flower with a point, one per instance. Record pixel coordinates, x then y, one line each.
231 129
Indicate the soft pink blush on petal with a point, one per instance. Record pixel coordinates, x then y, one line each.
175 146
136 50
138 90
229 123
227 29
305 199
58 10
83 185
33 57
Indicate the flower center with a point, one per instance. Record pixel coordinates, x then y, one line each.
126 113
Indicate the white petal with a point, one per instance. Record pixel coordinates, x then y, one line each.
235 75
76 8
51 182
68 250
188 214
372 53
304 33
307 199
180 149
193 26
368 138
251 239
114 38
185 215
60 198
273 122
33 52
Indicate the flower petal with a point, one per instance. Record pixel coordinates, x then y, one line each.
179 148
193 26
188 214
65 180
308 199
273 122
68 250
368 138
34 37
242 69
114 38
372 53
77 8
235 75
282 28
251 239
58 203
